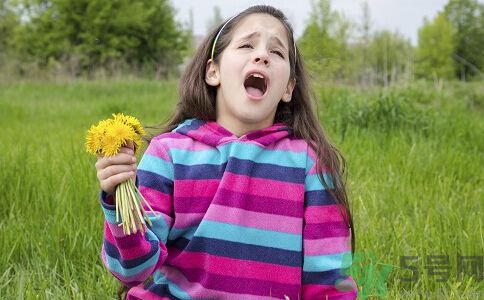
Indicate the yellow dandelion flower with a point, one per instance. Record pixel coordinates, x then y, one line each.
107 138
111 145
104 124
115 137
131 121
111 134
94 140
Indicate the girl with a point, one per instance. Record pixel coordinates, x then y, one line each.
249 193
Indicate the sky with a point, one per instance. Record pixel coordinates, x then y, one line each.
404 16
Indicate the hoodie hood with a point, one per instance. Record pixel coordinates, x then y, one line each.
213 134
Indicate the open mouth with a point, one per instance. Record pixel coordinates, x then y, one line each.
255 85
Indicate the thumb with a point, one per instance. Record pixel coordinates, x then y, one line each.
130 144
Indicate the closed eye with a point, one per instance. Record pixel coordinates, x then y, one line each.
246 46
278 53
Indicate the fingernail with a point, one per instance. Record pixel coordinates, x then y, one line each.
133 159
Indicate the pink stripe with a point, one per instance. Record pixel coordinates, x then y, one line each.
292 145
138 293
183 220
326 230
139 247
159 201
187 144
196 290
313 291
326 246
286 207
116 231
323 214
156 148
259 220
196 187
234 267
263 187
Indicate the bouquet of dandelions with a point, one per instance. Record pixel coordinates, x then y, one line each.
106 139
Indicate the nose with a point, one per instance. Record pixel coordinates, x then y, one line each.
261 57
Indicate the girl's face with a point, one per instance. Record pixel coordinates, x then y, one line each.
252 75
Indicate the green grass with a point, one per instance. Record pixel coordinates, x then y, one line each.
415 159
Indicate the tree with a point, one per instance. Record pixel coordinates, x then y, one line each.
467 17
433 57
324 43
8 23
363 72
390 56
99 34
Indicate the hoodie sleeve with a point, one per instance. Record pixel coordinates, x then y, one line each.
133 258
326 241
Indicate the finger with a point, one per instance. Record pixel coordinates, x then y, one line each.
110 183
114 170
118 159
130 144
126 150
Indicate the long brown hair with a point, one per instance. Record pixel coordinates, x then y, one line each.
197 100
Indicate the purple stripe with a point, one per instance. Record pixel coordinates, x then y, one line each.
259 203
241 285
192 204
326 230
239 200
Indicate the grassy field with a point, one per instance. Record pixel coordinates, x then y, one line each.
415 156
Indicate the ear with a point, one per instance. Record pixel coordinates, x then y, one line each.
290 87
212 75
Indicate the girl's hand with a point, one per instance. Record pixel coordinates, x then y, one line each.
117 169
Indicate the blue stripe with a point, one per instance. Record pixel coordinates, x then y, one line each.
110 215
187 232
267 171
155 181
204 171
241 151
157 166
242 167
113 252
162 290
160 280
246 235
114 265
326 278
313 183
159 229
109 210
318 198
187 125
240 251
321 263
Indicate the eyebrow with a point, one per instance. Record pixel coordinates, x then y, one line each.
257 34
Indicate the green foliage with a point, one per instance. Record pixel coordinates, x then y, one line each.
324 41
413 192
435 49
332 53
89 35
390 57
8 22
467 17
387 111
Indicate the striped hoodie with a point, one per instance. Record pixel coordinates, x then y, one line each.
237 218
